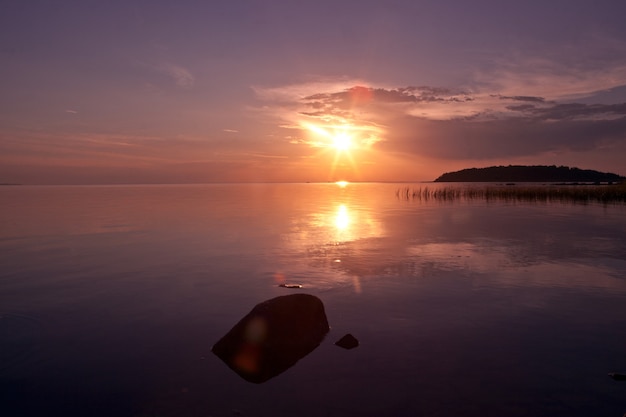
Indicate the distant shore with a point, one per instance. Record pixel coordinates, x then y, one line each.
532 173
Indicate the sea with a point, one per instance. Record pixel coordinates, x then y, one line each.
112 297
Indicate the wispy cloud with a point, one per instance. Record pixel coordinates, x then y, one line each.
569 72
181 76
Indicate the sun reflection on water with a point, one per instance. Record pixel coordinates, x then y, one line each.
342 218
340 224
332 238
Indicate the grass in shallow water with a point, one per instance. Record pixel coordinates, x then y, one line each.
539 193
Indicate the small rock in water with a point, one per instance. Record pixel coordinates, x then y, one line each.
347 342
290 285
617 376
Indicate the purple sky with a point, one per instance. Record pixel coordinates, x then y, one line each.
155 91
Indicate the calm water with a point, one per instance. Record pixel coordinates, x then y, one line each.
112 297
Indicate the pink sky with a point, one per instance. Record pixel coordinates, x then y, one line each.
251 91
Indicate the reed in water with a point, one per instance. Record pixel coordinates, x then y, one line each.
539 193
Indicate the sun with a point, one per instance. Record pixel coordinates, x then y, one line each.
337 138
342 142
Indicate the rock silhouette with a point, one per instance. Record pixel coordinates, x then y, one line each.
617 376
272 337
347 342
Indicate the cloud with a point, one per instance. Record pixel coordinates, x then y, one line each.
451 123
567 74
181 76
574 111
361 95
501 138
522 98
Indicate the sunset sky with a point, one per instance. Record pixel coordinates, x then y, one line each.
274 90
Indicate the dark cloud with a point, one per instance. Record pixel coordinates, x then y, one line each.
571 111
313 113
531 99
359 95
522 107
614 95
578 110
510 137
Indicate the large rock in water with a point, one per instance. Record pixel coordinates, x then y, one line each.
275 335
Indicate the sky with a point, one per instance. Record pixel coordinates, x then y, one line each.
114 92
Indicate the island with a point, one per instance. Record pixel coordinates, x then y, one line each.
533 173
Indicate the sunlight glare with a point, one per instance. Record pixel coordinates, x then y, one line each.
342 219
337 137
342 184
342 141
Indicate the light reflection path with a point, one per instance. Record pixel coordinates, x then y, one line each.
342 220
339 223
327 237
348 234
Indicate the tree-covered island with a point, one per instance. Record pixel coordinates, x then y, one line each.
524 173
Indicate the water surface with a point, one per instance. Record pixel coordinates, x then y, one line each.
112 297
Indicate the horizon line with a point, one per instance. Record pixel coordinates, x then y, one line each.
213 183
